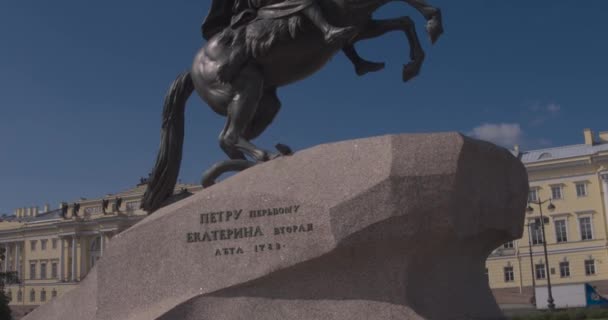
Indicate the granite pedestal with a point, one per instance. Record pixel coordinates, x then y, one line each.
390 227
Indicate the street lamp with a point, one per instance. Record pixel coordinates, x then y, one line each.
551 207
528 226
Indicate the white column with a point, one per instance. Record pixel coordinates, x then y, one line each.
17 260
73 258
83 257
604 178
9 251
5 257
62 260
101 243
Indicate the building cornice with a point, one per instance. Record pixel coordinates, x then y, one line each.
12 235
524 253
544 166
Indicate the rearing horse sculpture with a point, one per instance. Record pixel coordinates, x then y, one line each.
237 72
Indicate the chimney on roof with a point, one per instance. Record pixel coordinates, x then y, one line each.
588 136
516 148
46 207
35 211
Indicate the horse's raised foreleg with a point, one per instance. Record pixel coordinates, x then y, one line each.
434 22
361 65
376 28
248 88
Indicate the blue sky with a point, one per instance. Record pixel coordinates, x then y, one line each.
82 83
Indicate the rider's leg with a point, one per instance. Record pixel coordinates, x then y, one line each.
362 66
332 34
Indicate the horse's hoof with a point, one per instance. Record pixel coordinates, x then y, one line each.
434 28
365 67
283 149
410 71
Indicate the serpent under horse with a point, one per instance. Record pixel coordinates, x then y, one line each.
263 55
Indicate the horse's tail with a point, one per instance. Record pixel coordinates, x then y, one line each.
164 175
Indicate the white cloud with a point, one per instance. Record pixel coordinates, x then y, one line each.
541 113
504 134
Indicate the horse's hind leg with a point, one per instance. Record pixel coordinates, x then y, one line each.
376 28
231 151
248 89
267 109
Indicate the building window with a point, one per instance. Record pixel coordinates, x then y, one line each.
581 189
54 243
540 271
32 295
54 294
33 245
43 270
10 295
508 245
32 270
564 269
43 244
509 277
43 295
561 234
19 296
533 195
556 192
589 267
586 228
54 270
537 234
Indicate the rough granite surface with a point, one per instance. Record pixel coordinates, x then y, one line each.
389 227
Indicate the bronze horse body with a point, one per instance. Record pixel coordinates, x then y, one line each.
238 71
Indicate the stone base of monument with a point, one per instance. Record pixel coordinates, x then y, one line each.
391 227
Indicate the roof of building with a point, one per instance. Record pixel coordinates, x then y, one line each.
53 214
12 221
563 152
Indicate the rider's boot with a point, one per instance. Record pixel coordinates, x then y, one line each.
333 35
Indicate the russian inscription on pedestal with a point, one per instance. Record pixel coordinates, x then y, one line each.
212 231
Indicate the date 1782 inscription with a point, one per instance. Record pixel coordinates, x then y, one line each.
247 231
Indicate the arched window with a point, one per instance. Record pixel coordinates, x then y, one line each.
32 295
43 295
54 293
19 296
9 294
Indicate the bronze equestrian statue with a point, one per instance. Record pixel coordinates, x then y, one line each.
255 47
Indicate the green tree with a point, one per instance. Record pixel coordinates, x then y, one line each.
5 310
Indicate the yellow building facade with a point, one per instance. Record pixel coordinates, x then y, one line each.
48 253
570 185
